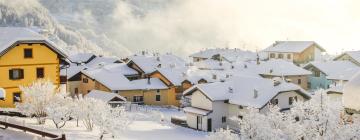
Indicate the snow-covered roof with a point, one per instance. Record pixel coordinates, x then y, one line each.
145 84
102 60
81 57
230 55
104 96
351 95
10 35
245 91
174 75
112 78
278 67
211 64
72 70
291 46
335 70
353 54
149 63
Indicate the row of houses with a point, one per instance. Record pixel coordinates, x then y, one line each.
218 84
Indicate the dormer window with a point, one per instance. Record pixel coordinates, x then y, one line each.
28 53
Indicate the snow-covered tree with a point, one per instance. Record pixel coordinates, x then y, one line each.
223 134
59 109
37 97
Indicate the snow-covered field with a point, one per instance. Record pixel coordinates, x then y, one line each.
137 130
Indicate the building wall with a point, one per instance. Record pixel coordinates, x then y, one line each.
71 85
86 87
199 100
283 99
306 56
172 89
43 57
318 82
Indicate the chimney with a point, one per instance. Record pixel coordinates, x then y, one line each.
255 94
143 52
159 65
231 90
271 70
148 82
257 59
158 58
214 76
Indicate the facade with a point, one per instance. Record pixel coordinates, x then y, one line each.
352 56
25 59
298 52
212 105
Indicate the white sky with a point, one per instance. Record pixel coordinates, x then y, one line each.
187 25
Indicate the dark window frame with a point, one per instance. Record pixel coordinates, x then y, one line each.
28 53
85 80
158 98
40 72
291 100
14 99
223 119
20 74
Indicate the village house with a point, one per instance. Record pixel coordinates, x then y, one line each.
278 68
213 104
26 56
146 64
221 54
351 96
325 74
298 52
112 99
352 56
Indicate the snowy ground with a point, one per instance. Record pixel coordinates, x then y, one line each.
138 130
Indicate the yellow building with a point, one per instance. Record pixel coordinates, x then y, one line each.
26 56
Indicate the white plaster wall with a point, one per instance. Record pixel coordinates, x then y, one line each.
199 100
283 98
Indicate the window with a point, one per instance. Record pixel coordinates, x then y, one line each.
274 101
223 119
288 56
76 90
299 81
291 100
157 98
28 53
88 91
138 99
85 80
16 97
240 117
272 55
158 90
40 72
15 74
295 98
317 73
241 107
280 56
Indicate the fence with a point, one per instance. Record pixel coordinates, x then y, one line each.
32 130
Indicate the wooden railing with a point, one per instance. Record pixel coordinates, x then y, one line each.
35 131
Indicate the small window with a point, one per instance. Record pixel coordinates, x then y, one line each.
241 107
288 56
223 119
88 91
138 99
85 80
299 81
240 117
28 53
296 98
274 101
76 90
16 97
317 73
157 98
15 74
281 56
158 90
40 73
291 100
272 55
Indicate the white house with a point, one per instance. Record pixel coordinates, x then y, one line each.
352 56
224 54
213 104
351 95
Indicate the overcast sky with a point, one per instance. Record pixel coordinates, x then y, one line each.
185 26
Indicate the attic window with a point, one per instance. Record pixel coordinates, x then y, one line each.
28 53
231 90
256 93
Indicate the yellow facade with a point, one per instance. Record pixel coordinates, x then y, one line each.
172 100
43 57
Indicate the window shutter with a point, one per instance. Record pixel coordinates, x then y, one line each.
11 74
21 74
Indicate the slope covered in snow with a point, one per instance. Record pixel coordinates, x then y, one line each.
33 14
